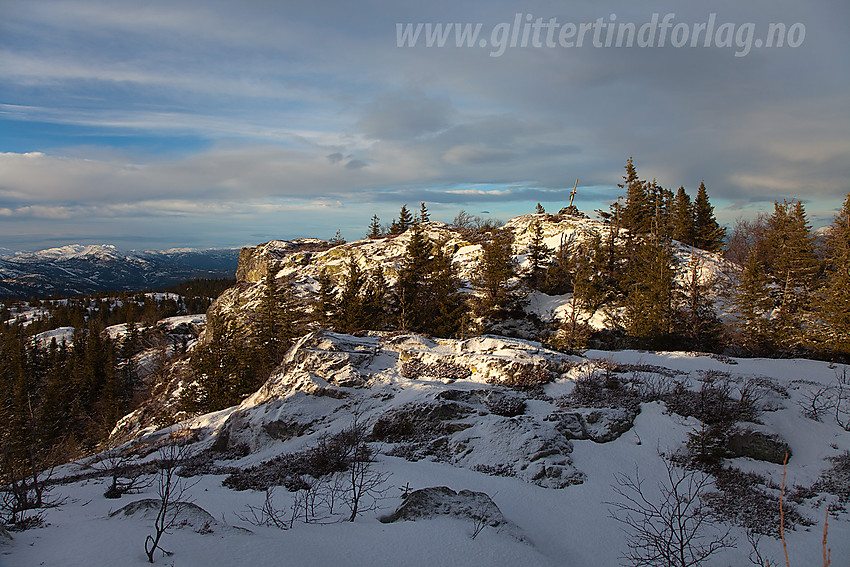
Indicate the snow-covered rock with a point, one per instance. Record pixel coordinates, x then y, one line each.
477 507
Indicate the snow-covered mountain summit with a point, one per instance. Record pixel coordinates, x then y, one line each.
71 252
78 269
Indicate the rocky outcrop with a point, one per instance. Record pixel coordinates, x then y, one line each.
443 501
254 261
757 445
422 398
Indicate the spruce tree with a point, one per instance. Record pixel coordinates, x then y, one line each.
375 230
558 278
787 248
325 306
590 286
683 218
650 309
708 235
278 321
445 306
427 289
424 216
636 215
375 299
538 254
834 296
663 206
753 304
404 221
350 314
212 365
655 207
55 416
697 321
413 273
224 368
495 271
539 209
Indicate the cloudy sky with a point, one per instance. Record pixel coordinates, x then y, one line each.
222 123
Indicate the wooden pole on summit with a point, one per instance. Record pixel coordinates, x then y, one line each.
573 193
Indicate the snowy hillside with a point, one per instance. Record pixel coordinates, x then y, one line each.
541 433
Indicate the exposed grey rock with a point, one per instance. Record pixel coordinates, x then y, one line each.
606 424
757 445
283 430
255 260
596 424
522 446
420 421
443 501
570 424
491 400
476 423
275 420
477 507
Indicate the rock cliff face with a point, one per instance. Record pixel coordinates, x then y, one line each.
254 261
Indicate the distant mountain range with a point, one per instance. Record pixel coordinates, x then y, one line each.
79 269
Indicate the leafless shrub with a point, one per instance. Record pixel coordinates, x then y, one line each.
528 377
475 228
337 468
769 384
836 479
653 386
315 502
126 476
329 454
171 490
363 486
816 401
666 526
842 399
755 556
26 496
623 368
502 469
480 519
717 401
602 390
743 237
749 500
267 514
